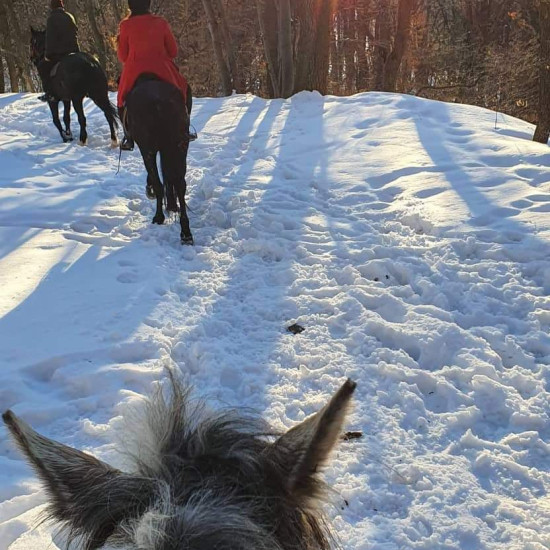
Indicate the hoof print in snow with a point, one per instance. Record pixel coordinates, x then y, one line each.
348 436
295 328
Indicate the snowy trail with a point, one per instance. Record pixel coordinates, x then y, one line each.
409 237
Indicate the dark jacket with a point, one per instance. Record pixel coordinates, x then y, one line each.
61 33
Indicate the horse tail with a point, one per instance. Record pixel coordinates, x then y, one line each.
170 179
102 101
113 112
98 93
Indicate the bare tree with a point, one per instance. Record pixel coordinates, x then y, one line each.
268 20
542 132
400 45
229 47
382 42
306 14
92 11
17 46
216 35
285 48
482 52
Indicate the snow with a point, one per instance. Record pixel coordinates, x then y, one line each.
409 237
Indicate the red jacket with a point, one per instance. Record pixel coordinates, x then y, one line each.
146 45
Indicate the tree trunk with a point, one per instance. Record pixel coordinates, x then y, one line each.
267 17
336 51
322 46
307 12
215 34
12 72
285 48
229 48
116 9
382 37
17 45
2 77
23 69
400 45
542 133
362 76
350 45
92 13
6 45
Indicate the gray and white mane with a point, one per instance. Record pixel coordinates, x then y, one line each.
205 481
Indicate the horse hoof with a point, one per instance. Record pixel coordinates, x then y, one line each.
150 192
83 142
187 240
114 143
159 220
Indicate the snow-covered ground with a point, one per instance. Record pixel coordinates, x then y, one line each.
409 237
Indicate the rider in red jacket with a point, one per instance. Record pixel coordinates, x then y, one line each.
146 45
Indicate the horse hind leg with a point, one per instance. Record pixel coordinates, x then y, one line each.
168 164
149 188
79 108
150 161
68 136
174 168
54 108
185 234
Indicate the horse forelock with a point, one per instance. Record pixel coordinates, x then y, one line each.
218 486
206 520
37 45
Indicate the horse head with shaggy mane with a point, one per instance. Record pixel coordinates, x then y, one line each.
199 480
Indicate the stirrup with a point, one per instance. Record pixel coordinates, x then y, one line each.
127 144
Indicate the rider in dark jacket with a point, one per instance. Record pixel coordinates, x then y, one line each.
61 40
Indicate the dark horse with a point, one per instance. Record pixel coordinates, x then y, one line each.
157 119
77 75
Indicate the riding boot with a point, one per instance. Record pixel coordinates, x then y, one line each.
127 142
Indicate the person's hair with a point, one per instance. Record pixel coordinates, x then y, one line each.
54 4
139 7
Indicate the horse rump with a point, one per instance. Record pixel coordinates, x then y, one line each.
156 114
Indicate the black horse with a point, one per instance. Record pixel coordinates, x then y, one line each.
158 120
77 75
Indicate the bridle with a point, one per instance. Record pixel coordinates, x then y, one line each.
35 53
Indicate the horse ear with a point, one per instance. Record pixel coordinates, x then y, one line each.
87 495
307 446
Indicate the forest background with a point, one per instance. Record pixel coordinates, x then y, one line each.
491 53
